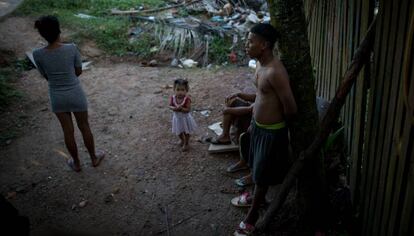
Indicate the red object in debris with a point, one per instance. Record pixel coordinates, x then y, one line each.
233 57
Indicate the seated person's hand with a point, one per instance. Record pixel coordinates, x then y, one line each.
230 98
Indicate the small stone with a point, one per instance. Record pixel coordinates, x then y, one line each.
109 198
83 203
116 190
8 142
11 195
153 63
21 189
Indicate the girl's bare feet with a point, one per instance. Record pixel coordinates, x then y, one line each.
99 156
180 143
185 147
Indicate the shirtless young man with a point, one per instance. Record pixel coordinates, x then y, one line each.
274 105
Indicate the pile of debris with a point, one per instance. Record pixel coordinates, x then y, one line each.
184 29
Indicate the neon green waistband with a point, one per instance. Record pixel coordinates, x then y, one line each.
272 126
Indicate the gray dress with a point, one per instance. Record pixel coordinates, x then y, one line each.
58 67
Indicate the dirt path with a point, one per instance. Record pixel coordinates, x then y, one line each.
143 171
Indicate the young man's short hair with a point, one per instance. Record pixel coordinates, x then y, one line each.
267 32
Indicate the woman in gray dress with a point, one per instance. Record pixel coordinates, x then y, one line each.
61 65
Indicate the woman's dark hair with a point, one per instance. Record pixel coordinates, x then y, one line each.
181 82
48 27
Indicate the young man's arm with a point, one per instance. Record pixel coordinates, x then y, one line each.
280 82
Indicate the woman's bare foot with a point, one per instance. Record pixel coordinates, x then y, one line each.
99 156
74 166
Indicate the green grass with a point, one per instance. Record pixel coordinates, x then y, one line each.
7 92
109 32
220 49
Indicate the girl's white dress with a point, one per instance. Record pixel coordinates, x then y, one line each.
182 122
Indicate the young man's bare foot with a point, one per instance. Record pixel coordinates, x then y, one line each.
240 165
73 166
100 155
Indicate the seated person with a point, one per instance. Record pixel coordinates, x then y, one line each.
238 112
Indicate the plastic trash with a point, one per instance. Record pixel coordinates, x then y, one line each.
216 128
252 64
189 63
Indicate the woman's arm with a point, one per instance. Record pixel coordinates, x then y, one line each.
78 71
39 65
78 62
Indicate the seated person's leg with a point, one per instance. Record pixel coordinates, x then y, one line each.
235 108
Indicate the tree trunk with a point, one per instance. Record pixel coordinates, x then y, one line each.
289 19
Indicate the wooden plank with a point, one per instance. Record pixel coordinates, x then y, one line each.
359 123
351 115
318 52
407 215
349 45
223 148
323 49
395 96
334 51
379 187
378 130
327 68
337 37
348 48
401 136
356 152
368 158
344 32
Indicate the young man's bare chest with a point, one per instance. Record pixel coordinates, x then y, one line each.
262 82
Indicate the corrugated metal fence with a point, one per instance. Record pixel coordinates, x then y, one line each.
378 115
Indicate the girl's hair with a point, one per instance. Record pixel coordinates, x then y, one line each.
181 82
48 27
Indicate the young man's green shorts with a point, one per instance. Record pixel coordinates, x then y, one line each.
269 153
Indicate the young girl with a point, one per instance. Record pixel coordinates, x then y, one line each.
183 123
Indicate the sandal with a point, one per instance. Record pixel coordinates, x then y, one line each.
244 229
236 167
243 182
72 166
243 200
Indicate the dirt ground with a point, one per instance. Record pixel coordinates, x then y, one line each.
144 170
